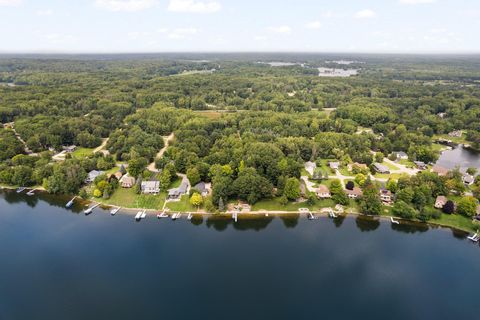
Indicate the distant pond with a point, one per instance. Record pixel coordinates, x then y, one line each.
461 157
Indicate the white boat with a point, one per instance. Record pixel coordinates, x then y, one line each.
31 192
163 214
21 189
138 216
394 221
175 216
143 215
89 210
114 211
70 203
474 238
190 216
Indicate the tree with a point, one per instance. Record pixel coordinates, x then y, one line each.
350 185
221 205
472 171
283 200
251 186
449 207
292 189
193 176
97 193
360 179
467 206
165 180
196 200
370 202
136 166
402 209
392 185
405 195
338 194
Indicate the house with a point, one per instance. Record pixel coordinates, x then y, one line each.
203 188
118 175
420 165
442 114
355 193
323 192
385 196
92 175
151 187
334 165
69 149
455 134
400 155
441 171
440 202
176 193
468 179
380 168
127 182
310 167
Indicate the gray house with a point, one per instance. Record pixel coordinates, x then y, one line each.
92 175
176 193
380 168
150 187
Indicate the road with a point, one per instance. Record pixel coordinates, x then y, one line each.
102 146
167 140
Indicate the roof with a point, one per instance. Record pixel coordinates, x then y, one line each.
310 164
323 189
468 178
441 199
356 191
150 184
360 165
94 173
419 163
201 186
126 178
400 153
380 167
441 171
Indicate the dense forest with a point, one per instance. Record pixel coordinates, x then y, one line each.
240 122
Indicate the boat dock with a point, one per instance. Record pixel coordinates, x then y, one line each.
21 189
190 216
235 216
162 214
474 238
176 216
115 210
90 209
70 203
31 192
394 221
140 215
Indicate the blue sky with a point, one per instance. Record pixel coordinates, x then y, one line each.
405 26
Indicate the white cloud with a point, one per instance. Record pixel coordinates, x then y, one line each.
365 14
182 33
314 25
416 1
10 3
47 12
194 6
125 5
259 38
280 29
162 30
58 38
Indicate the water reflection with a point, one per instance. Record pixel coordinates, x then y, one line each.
290 221
410 227
367 223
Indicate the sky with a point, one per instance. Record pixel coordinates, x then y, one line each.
109 26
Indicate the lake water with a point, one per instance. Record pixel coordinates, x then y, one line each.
330 72
461 157
61 264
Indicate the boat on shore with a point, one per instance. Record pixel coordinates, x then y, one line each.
162 214
140 215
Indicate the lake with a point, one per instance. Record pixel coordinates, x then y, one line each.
461 157
61 264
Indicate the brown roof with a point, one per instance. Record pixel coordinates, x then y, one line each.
356 191
323 189
441 171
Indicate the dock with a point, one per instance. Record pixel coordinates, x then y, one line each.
394 221
140 215
70 203
190 216
31 192
115 210
332 214
90 209
163 214
235 216
474 238
21 189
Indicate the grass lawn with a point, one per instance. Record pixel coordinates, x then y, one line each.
183 205
459 140
390 166
394 176
457 221
129 199
274 205
407 163
175 183
82 152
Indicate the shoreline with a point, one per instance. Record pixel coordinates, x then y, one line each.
260 213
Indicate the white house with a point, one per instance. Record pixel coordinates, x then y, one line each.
151 187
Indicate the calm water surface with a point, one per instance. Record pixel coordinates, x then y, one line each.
460 157
61 264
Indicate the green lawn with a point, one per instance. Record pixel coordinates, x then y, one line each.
175 183
394 176
457 221
82 152
459 140
183 205
129 199
274 205
390 166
